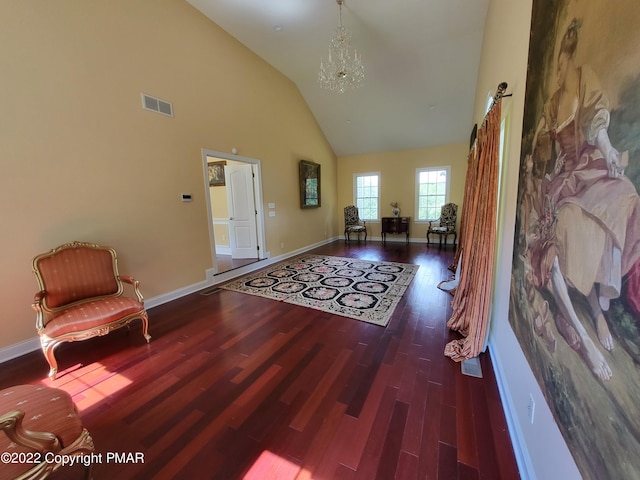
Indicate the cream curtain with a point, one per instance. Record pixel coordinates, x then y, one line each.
471 302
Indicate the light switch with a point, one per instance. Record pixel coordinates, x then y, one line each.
272 213
272 205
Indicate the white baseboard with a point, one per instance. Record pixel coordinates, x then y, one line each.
18 349
174 295
517 439
33 344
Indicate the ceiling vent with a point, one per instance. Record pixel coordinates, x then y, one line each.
157 105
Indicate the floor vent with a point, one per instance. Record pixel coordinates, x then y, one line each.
210 291
471 367
157 105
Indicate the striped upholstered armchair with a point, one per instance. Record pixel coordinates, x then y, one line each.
81 296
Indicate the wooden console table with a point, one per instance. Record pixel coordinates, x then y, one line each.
395 225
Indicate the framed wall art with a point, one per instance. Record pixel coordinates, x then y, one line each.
309 184
575 286
216 173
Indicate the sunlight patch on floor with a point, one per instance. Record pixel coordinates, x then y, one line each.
271 466
89 385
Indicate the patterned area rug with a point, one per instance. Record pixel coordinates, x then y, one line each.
354 288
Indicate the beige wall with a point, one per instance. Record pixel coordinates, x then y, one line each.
398 180
81 160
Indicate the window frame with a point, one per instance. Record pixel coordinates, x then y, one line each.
420 170
355 194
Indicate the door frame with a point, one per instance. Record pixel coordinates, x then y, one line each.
257 190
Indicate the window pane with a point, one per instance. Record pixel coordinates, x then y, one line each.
432 192
367 196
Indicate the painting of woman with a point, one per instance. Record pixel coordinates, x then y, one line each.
575 282
587 201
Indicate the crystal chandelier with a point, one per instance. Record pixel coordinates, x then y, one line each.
343 68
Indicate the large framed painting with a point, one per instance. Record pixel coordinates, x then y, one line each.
575 287
309 184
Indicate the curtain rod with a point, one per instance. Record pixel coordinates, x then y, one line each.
500 93
502 87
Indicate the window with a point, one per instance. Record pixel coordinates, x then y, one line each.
433 191
367 191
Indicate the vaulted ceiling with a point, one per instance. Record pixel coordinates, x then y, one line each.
421 60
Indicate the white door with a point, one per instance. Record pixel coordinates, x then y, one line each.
243 231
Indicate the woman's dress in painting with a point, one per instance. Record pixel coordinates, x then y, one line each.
590 221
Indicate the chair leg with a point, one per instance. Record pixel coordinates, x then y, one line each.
145 326
47 348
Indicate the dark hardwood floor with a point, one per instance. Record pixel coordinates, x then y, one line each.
237 386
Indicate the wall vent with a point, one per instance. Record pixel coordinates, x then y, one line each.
157 105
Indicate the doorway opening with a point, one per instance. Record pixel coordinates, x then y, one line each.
233 190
